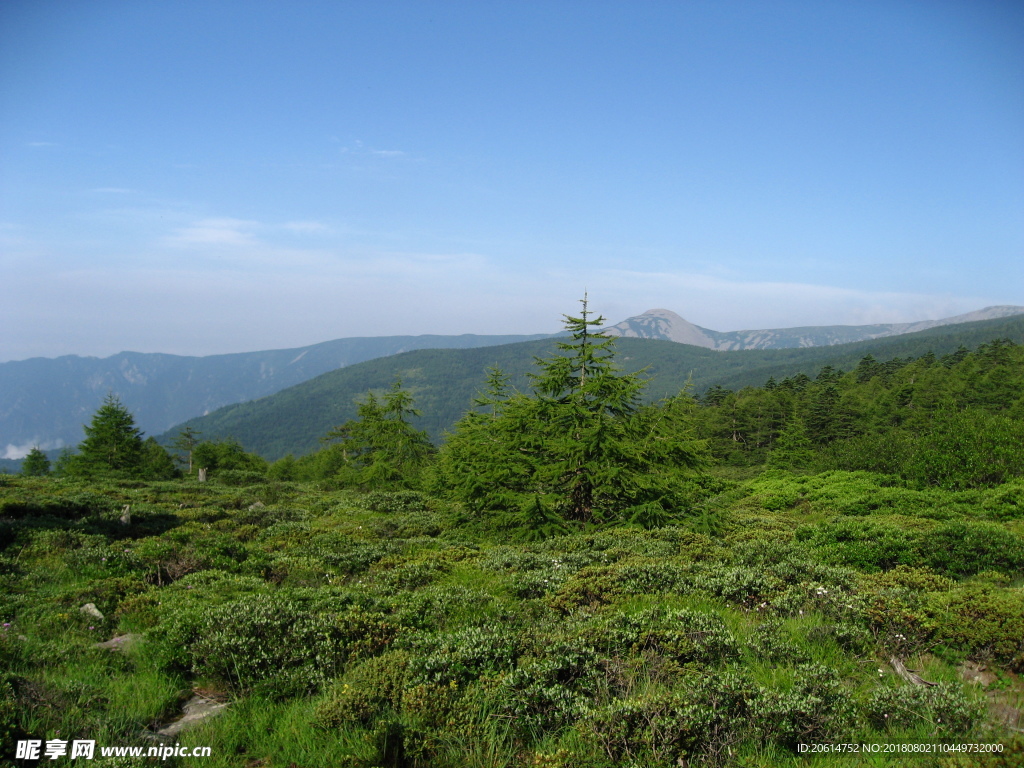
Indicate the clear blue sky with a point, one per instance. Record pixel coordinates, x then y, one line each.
201 177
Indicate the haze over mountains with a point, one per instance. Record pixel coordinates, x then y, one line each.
46 401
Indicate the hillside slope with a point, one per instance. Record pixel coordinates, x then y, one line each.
444 381
46 401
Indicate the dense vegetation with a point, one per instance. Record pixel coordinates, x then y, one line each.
578 577
443 381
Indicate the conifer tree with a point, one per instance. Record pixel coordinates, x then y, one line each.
380 447
581 447
35 464
155 462
185 443
113 444
793 449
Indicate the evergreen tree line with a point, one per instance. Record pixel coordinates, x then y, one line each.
954 422
580 447
114 448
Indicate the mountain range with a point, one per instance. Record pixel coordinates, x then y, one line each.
443 381
665 324
45 401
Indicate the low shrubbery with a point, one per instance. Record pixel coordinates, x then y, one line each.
383 629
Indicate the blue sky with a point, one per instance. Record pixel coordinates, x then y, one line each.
203 177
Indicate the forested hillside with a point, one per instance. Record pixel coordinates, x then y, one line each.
44 402
443 382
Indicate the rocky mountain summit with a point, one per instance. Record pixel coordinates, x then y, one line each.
668 326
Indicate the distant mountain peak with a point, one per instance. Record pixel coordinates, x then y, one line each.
666 325
662 324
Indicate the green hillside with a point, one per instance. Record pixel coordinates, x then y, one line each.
443 381
573 580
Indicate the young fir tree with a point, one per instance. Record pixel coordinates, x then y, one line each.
380 447
585 405
185 444
113 444
793 449
35 464
156 463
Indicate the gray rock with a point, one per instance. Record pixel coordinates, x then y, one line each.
90 609
120 642
196 709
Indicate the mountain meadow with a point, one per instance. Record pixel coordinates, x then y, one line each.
581 552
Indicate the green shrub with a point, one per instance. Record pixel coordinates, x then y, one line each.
387 502
1005 502
864 544
412 574
106 560
261 515
894 606
440 606
697 723
770 642
406 525
239 478
550 691
346 556
944 710
966 548
367 692
105 593
776 490
815 708
463 655
599 585
981 620
589 588
682 636
176 614
748 586
288 648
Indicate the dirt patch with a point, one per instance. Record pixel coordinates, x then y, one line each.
1004 691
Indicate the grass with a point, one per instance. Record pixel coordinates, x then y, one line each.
377 596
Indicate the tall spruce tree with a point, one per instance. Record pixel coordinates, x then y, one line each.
586 403
581 448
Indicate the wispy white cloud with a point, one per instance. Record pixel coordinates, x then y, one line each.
220 232
358 148
306 295
307 227
13 451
